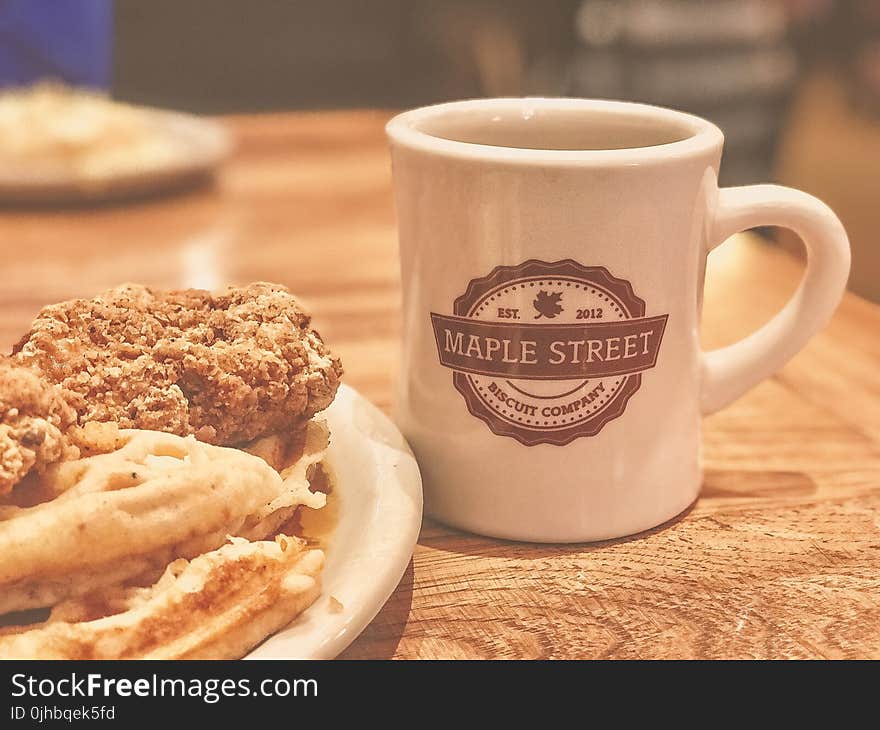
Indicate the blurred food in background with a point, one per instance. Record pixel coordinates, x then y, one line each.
58 143
794 84
77 132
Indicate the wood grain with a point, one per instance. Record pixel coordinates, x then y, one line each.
780 556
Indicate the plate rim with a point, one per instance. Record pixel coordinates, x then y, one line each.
389 451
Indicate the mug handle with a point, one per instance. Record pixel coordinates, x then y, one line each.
728 372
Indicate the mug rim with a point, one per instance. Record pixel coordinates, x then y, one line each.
704 136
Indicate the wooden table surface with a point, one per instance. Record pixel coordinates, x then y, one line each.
779 557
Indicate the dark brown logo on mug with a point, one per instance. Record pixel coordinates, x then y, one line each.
548 352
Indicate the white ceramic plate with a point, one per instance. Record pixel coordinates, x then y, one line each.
379 491
203 145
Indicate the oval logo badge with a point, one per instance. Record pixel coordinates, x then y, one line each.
548 352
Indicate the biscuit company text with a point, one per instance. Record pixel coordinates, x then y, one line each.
548 411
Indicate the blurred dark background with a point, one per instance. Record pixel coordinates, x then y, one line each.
794 84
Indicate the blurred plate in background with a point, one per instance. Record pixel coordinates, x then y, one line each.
193 150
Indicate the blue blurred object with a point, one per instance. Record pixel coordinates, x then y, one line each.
68 41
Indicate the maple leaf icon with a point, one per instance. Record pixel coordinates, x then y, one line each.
547 304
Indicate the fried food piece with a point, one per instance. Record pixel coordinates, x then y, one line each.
218 606
33 418
96 438
125 515
227 368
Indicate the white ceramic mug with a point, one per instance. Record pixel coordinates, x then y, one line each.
552 258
